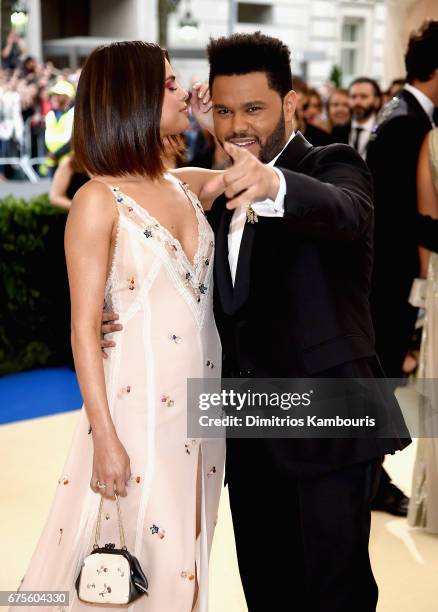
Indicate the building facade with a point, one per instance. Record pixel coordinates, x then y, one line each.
321 33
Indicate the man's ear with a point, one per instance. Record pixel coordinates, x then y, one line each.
289 105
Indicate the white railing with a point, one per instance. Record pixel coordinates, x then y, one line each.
25 161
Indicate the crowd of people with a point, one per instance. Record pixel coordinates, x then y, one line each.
30 90
26 98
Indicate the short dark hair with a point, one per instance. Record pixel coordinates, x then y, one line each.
394 82
374 84
118 110
245 53
421 57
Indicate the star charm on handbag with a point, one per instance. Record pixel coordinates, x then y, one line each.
251 215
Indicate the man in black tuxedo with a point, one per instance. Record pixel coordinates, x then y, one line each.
291 300
365 100
393 158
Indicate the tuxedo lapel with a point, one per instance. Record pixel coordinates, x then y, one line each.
294 153
222 266
243 271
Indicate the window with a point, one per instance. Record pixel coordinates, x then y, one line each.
254 13
351 48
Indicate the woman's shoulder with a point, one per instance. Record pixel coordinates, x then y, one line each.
94 197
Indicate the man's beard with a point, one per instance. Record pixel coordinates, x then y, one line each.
360 113
274 143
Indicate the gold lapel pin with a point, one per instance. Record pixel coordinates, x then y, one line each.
251 215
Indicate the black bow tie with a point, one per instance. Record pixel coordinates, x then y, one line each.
435 116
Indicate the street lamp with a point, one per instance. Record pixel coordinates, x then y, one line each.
19 17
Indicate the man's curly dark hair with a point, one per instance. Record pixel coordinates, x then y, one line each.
245 53
421 57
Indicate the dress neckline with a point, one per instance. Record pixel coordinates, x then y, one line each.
171 238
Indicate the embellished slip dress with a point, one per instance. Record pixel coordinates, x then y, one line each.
423 506
169 335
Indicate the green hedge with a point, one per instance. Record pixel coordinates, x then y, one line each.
34 300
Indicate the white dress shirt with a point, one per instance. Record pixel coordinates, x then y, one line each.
424 101
265 208
364 136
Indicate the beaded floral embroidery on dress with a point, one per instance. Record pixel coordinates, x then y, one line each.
196 276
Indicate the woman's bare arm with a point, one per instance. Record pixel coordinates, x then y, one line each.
427 197
89 231
197 178
60 183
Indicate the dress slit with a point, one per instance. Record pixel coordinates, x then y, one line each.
198 525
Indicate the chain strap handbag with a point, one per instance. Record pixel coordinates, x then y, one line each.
110 575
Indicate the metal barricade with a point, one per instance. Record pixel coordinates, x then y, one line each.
25 161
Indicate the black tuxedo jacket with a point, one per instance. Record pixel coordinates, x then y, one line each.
299 307
427 232
341 133
392 158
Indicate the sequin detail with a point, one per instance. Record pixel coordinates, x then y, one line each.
157 530
124 391
106 589
165 399
195 275
189 445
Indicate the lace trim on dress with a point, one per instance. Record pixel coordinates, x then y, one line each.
195 276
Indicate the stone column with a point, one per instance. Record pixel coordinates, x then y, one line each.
34 33
146 19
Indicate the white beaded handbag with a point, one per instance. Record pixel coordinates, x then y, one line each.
110 575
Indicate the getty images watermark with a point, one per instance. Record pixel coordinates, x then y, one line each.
247 400
307 408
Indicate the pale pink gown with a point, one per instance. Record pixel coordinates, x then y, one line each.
169 335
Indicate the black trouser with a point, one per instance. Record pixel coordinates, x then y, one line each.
302 544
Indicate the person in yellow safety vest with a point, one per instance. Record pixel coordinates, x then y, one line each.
59 125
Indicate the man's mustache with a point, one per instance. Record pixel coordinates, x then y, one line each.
243 135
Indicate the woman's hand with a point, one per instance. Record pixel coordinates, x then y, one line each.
202 107
111 467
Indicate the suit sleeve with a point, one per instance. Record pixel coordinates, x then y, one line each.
334 202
